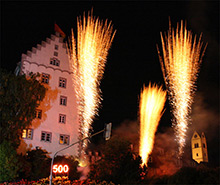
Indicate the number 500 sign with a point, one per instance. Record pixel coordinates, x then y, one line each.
60 168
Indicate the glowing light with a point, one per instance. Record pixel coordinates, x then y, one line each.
60 168
152 101
82 162
180 66
88 62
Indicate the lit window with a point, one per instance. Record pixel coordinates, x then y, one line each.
63 100
38 113
62 82
62 118
55 61
64 139
27 133
56 47
46 136
55 53
196 145
45 78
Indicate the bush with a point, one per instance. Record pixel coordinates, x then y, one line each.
9 163
36 165
118 164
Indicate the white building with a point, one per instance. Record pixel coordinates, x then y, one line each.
56 124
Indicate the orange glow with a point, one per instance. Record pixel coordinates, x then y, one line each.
152 102
60 168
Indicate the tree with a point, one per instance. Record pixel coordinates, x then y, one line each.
195 175
39 163
118 163
19 98
9 163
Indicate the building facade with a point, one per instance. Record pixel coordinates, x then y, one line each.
56 124
199 148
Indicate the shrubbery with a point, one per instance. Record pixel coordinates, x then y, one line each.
9 162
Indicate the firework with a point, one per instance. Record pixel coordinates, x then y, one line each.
152 101
88 57
180 66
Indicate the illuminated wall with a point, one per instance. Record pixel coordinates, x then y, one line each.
56 124
199 148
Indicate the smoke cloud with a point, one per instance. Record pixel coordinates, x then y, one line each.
163 160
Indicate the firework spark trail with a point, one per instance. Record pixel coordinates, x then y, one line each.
180 66
88 57
152 102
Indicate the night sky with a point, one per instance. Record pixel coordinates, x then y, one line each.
133 59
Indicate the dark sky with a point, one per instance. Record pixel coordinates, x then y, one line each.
133 58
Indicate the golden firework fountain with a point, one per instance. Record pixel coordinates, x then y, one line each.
180 65
152 102
88 57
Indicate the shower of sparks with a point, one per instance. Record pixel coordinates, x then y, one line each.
180 67
88 57
152 102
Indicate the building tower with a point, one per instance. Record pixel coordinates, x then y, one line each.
56 124
199 148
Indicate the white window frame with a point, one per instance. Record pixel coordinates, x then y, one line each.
62 82
63 100
62 118
25 133
62 141
45 78
54 61
46 136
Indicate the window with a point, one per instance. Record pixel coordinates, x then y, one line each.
55 61
38 113
46 136
62 118
195 136
56 47
197 154
64 139
55 53
63 100
203 145
196 145
27 134
45 78
62 82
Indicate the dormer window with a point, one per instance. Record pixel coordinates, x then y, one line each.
195 136
55 54
54 61
56 47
